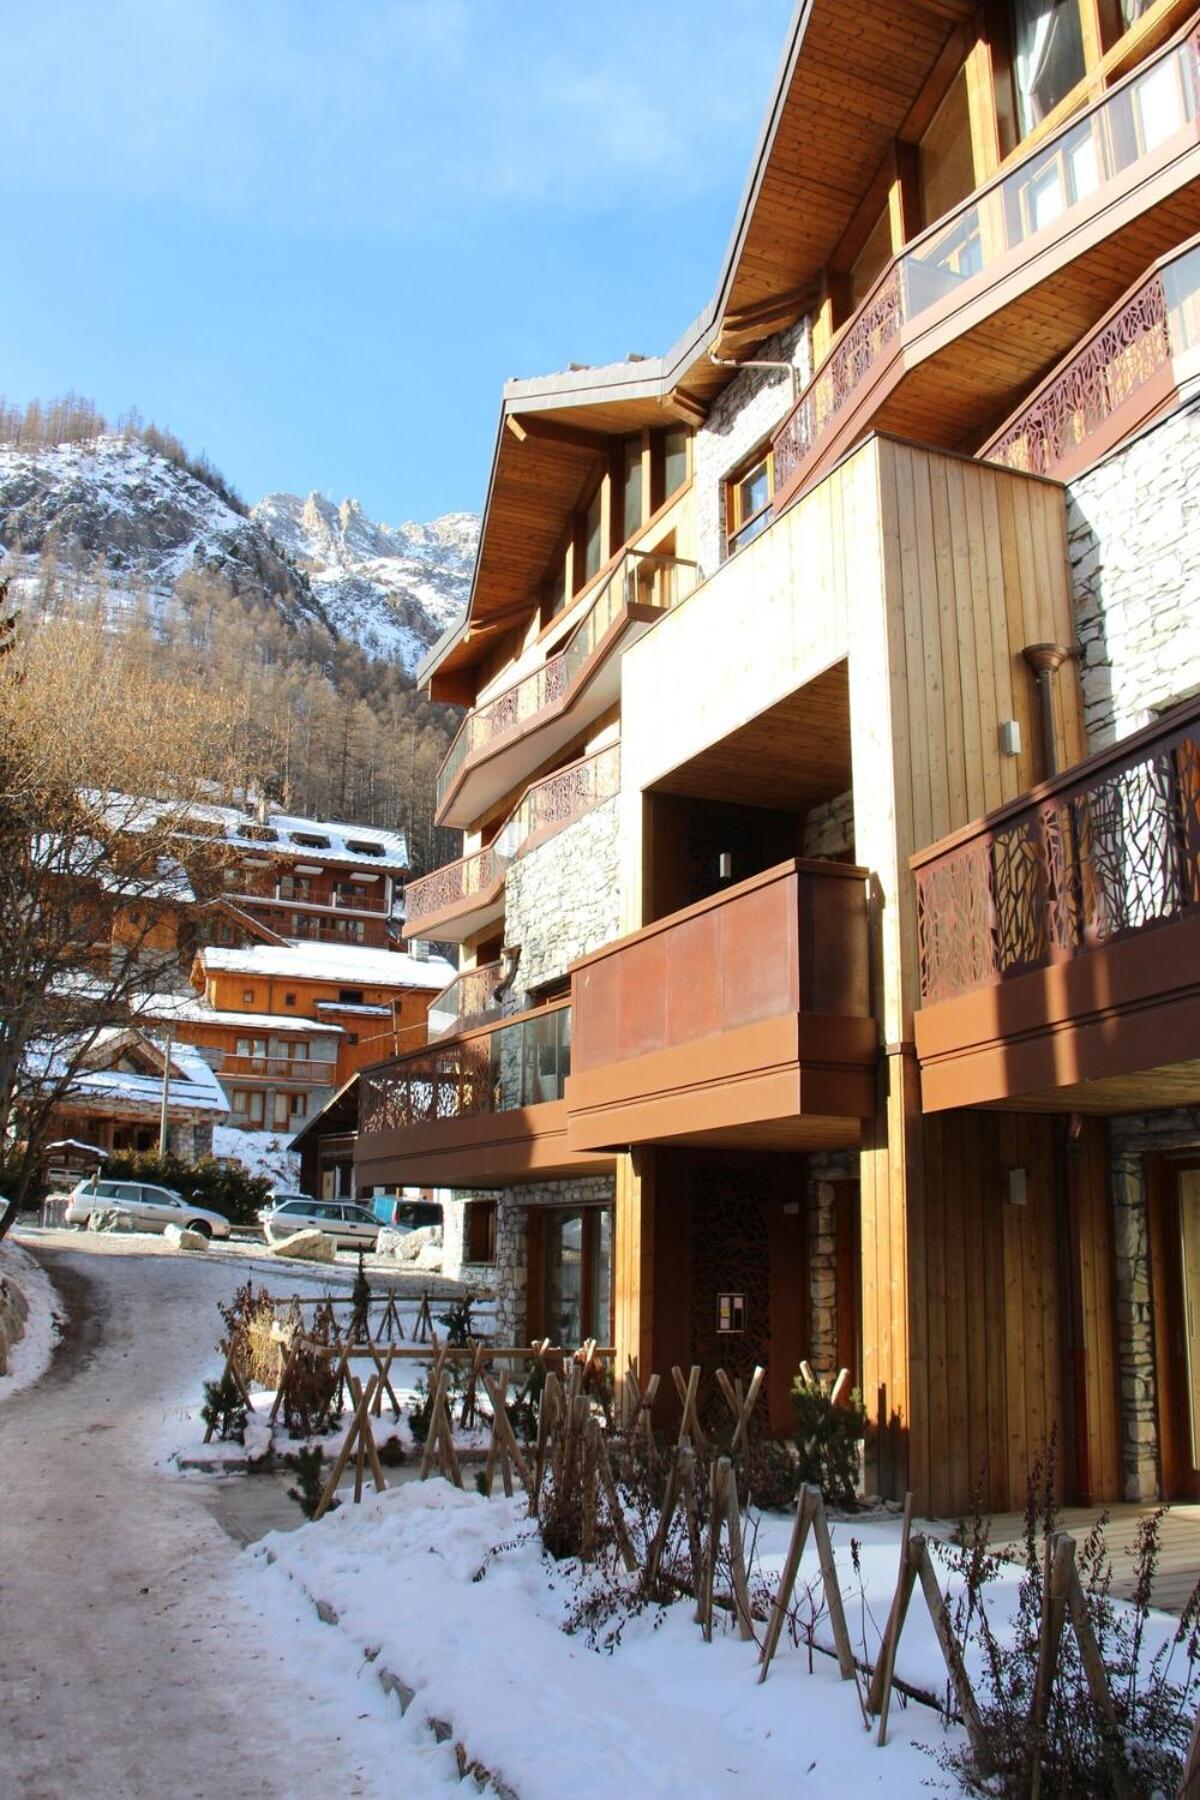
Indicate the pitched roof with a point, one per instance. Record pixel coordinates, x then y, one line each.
352 964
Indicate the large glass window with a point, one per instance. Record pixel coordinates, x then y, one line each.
632 488
578 1265
592 546
748 502
947 165
675 461
872 259
1048 60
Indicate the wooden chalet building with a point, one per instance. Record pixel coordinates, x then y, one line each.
830 777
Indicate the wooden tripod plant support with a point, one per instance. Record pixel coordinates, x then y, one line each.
423 1330
503 1447
681 1487
724 1515
690 1429
439 1438
1062 1599
231 1372
810 1515
741 1404
917 1565
357 1438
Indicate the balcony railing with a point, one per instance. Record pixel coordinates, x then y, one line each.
1065 172
470 999
545 808
1145 334
1107 850
501 1069
283 895
639 578
283 1068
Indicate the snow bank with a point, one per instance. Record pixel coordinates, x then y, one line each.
29 1357
455 1594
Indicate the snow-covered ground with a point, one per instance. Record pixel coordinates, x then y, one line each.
30 1356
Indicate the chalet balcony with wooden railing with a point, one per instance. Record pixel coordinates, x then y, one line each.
482 1109
1131 368
503 740
304 1071
1059 938
973 312
744 1020
464 897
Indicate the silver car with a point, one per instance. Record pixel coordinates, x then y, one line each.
350 1226
150 1208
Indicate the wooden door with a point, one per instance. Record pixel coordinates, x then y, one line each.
1174 1197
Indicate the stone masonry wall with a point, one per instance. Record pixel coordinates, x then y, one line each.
824 1169
1131 1138
747 411
507 1277
1135 559
563 900
829 828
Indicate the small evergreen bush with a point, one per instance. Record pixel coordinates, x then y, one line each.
309 1465
829 1440
225 1410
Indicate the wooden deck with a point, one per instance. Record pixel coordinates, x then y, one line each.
1179 1562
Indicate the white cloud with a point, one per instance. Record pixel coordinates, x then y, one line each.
382 115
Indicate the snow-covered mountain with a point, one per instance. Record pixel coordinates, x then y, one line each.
394 588
115 509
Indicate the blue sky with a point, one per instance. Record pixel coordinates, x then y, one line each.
315 239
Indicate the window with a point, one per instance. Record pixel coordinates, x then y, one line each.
578 1275
1048 59
281 1110
593 548
299 1107
289 999
631 488
247 1106
675 461
247 996
360 847
872 259
748 501
310 840
350 996
480 1231
947 163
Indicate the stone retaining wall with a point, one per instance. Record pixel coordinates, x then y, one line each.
14 1311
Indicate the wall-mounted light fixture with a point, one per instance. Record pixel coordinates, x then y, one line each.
725 865
1010 737
1018 1187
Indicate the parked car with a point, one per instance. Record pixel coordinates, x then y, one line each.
405 1215
346 1223
150 1208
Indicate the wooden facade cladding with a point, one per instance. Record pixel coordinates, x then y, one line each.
976 309
743 1018
483 1109
1060 938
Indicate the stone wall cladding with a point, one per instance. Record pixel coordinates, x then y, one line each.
454 1240
824 1169
563 900
829 828
1135 562
749 409
1131 1139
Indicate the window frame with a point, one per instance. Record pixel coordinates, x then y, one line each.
738 533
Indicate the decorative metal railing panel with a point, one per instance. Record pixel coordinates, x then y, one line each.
1147 115
468 1000
545 808
838 378
1101 853
642 577
525 1063
1118 361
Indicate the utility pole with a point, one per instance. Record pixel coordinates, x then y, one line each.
166 1097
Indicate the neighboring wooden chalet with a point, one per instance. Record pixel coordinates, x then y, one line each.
829 777
116 1102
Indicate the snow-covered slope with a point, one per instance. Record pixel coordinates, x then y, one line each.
114 509
393 588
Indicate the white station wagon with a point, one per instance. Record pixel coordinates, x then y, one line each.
349 1225
150 1208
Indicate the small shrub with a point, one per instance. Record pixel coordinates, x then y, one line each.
359 1329
224 1410
770 1474
309 1465
828 1440
249 1321
420 1412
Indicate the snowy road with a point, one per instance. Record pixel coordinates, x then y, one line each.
130 1663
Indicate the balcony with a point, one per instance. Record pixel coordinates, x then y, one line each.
1131 367
466 896
743 1020
285 895
470 999
1059 939
481 1110
502 741
305 1070
983 302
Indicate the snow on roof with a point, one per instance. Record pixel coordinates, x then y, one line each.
180 1009
364 846
353 964
359 1012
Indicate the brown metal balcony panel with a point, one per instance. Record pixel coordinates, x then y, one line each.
458 899
486 1150
1059 939
745 1012
936 370
495 768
